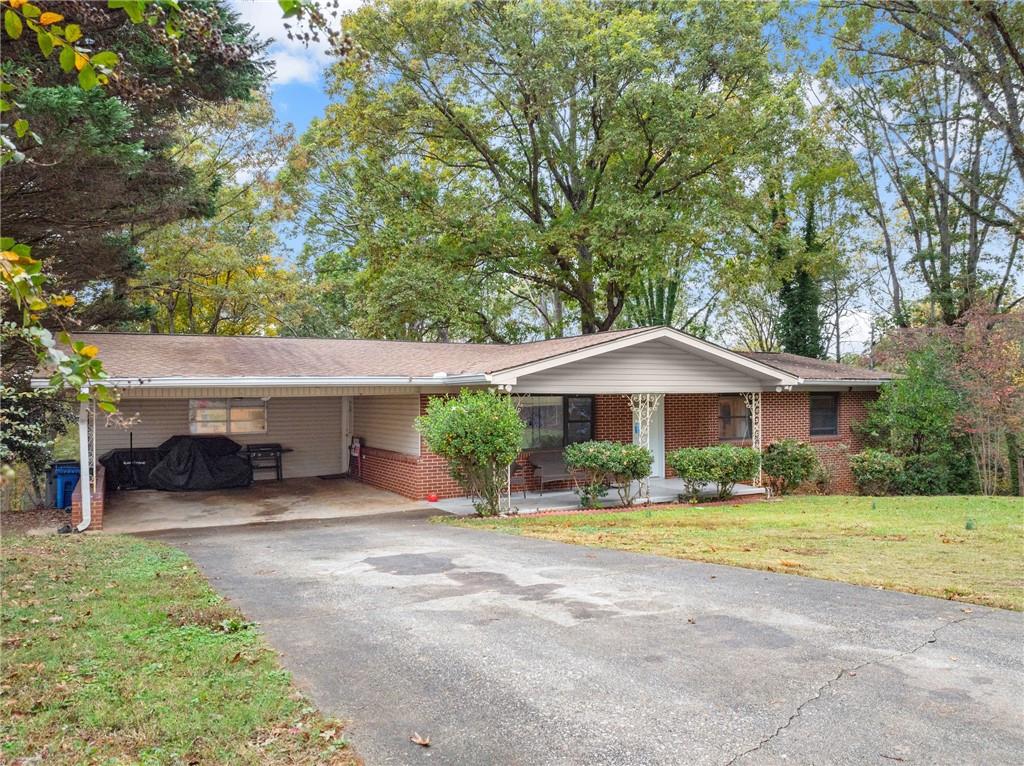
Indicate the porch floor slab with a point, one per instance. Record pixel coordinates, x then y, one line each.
662 491
150 510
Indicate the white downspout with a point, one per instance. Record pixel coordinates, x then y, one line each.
84 481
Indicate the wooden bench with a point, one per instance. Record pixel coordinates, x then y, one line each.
549 467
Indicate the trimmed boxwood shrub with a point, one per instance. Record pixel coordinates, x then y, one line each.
875 471
479 433
723 465
608 464
789 463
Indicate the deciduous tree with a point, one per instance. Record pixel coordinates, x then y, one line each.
577 140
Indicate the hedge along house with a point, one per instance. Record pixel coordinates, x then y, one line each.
656 385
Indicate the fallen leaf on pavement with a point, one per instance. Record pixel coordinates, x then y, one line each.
421 741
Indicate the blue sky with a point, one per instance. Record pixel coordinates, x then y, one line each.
297 90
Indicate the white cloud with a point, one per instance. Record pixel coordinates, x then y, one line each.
855 330
293 61
292 67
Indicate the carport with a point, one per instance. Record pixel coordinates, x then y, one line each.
311 397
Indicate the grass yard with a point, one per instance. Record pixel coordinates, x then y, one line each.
914 544
117 651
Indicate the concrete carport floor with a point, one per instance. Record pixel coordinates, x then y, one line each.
507 650
263 501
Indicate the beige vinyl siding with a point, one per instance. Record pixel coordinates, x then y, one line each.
312 427
386 422
653 367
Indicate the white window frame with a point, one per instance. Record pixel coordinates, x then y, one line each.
227 405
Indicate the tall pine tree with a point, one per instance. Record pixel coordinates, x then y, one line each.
800 326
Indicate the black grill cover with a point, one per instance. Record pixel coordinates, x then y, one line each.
130 469
200 462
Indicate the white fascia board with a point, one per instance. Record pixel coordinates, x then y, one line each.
724 355
271 382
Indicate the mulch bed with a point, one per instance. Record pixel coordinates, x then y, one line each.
37 522
634 508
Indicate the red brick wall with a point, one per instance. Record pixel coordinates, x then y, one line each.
613 420
97 501
787 415
691 420
388 470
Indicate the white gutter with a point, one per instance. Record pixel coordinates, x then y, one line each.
842 383
268 382
84 481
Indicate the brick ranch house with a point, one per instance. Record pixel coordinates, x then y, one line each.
314 395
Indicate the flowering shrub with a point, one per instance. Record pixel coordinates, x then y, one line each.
608 464
789 463
723 465
478 433
875 471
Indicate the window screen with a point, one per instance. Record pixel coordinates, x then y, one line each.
554 421
545 427
579 420
734 418
824 414
227 416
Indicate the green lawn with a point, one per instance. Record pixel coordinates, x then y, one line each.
116 651
913 544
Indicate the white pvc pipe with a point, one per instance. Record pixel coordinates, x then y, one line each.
84 462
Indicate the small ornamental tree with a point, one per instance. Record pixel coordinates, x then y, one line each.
789 463
608 464
722 465
479 433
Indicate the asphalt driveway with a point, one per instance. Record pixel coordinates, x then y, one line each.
506 650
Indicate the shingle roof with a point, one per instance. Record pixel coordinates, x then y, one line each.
815 369
139 355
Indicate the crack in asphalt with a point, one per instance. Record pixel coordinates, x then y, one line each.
932 638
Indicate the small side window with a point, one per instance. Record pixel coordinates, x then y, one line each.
227 416
824 414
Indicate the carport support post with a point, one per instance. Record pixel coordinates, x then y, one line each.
84 461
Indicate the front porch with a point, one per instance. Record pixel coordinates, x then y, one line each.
661 491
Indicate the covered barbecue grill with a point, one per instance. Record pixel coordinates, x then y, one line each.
200 462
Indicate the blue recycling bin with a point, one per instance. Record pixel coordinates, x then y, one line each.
66 475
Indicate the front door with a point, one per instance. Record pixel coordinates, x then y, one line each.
657 438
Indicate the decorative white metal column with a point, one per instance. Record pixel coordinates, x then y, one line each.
753 402
643 407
